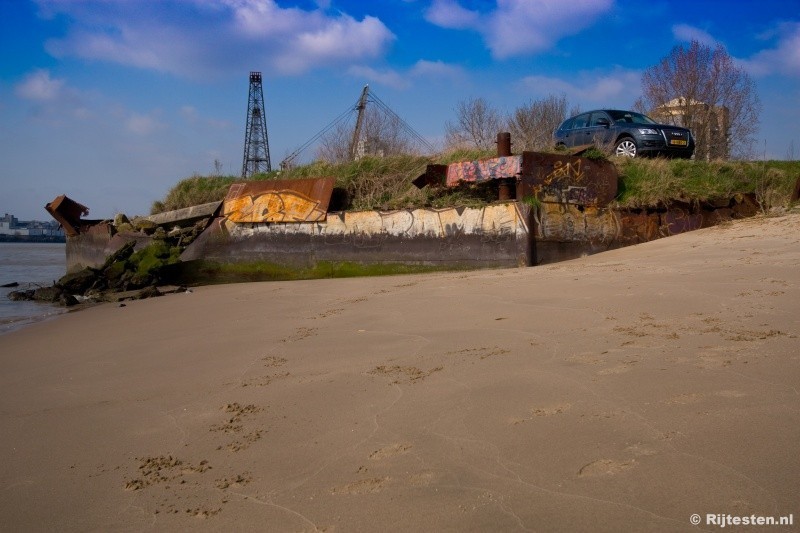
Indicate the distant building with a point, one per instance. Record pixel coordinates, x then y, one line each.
710 125
11 227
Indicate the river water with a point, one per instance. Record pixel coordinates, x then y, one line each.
31 265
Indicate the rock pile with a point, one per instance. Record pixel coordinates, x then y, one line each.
126 274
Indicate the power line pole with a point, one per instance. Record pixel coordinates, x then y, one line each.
361 106
256 145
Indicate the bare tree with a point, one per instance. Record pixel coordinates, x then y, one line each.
381 135
531 126
334 146
701 88
477 125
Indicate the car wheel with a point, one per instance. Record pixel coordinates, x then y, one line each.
626 147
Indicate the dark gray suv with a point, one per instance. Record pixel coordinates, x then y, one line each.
628 133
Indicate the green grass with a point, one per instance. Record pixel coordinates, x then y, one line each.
656 182
385 183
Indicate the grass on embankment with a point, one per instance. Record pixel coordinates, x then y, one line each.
385 183
653 182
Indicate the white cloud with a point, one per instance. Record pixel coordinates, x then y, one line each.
422 69
687 33
450 14
200 38
520 27
436 69
40 87
618 88
390 78
784 58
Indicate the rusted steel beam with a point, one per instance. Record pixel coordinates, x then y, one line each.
301 200
68 213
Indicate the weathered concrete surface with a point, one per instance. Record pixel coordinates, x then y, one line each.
186 215
95 244
493 236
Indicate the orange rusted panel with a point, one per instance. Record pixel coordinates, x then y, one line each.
302 200
68 213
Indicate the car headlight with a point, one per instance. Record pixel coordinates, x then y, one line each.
648 131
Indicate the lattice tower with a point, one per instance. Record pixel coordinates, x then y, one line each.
256 144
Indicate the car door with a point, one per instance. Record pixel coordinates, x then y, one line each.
577 134
599 131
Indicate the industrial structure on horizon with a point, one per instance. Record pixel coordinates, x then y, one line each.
256 141
710 125
13 228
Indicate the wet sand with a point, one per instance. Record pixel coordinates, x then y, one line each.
622 391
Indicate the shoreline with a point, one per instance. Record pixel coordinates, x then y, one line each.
624 390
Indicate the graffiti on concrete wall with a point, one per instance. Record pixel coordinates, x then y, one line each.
483 169
493 222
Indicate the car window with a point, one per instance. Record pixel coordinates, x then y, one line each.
567 125
581 121
630 117
596 117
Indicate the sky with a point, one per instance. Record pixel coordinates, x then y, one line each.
112 102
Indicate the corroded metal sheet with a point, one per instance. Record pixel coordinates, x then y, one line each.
678 220
567 179
434 175
483 170
302 200
68 213
568 223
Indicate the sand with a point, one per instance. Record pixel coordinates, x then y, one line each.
624 391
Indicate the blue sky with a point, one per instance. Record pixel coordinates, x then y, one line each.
111 102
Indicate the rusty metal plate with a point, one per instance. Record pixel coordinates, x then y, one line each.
567 179
434 175
483 170
301 200
678 220
68 213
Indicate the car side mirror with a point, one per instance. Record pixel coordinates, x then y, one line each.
603 122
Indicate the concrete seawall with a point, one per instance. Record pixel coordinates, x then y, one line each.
493 236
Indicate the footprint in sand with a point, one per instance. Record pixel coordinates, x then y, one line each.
272 360
403 374
235 426
362 486
390 451
603 467
550 410
300 334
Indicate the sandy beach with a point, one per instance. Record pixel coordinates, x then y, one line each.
624 391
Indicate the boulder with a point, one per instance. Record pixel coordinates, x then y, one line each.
78 282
